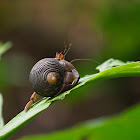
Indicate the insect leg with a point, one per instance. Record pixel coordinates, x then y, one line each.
33 98
76 77
71 80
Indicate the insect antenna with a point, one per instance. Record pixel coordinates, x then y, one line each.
84 60
66 50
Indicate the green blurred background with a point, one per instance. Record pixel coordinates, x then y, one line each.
98 30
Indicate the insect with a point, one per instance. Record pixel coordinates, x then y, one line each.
50 77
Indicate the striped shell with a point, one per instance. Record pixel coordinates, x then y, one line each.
38 77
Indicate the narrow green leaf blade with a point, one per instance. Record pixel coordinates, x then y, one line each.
130 69
22 118
1 118
125 126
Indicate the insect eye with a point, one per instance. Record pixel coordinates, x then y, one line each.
61 56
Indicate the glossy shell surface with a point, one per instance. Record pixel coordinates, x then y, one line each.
38 77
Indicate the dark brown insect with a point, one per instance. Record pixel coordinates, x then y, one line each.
50 77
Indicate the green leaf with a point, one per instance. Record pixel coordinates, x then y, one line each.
4 47
130 69
125 126
109 64
1 118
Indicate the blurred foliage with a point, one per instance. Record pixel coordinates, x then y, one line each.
119 22
4 47
122 127
107 70
1 118
14 71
